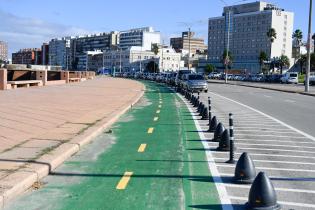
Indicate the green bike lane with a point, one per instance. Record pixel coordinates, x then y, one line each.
147 160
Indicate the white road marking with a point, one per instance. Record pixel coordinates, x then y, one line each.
274 155
289 101
267 96
278 150
275 145
276 188
274 140
270 117
274 161
224 198
271 169
270 135
280 202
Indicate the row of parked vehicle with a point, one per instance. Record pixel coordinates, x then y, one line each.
289 77
185 79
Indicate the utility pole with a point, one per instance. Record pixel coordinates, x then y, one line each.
227 46
120 60
189 49
309 39
103 61
162 56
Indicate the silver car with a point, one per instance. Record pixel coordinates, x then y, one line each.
196 83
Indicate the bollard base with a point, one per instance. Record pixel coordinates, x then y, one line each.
231 161
242 181
249 207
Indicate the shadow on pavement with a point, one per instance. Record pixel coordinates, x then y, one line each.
216 206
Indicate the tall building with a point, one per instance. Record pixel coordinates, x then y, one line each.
3 51
181 44
249 24
139 37
45 54
82 44
30 56
59 52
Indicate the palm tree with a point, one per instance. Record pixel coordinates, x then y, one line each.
272 35
283 61
155 50
298 36
302 62
262 58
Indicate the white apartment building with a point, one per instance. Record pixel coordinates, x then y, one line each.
59 52
140 37
249 24
136 59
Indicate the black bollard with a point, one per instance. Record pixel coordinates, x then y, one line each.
205 114
213 125
209 108
224 143
231 124
200 110
218 132
245 171
262 194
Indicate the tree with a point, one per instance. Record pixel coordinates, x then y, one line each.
152 67
297 36
227 59
262 58
272 36
283 61
209 68
155 49
313 37
302 62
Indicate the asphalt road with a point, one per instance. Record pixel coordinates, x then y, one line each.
293 109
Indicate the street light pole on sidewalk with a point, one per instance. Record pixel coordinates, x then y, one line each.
227 60
309 38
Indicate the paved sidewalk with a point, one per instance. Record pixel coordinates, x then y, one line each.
41 127
289 88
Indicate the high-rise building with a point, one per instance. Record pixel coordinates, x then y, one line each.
139 37
249 24
30 56
45 54
181 44
3 51
82 44
59 52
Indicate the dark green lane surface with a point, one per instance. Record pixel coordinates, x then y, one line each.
170 174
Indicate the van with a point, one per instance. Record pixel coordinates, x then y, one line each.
290 77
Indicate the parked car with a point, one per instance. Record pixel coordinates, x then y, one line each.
290 77
214 75
180 75
195 83
312 78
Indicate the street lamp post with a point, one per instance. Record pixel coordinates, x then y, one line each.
309 39
189 48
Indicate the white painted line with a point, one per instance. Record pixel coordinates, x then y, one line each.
289 101
267 96
270 117
268 131
274 161
275 140
224 198
278 150
276 145
274 155
276 188
277 136
280 202
271 169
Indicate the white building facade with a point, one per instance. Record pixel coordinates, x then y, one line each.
139 37
136 59
249 24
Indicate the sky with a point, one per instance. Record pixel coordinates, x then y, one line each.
29 23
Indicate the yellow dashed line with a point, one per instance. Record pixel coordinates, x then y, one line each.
156 119
158 111
150 130
142 147
124 181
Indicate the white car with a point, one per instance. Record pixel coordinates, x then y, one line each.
312 78
290 77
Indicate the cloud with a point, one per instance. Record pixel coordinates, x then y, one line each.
21 32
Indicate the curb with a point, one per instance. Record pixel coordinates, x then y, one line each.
267 88
23 179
